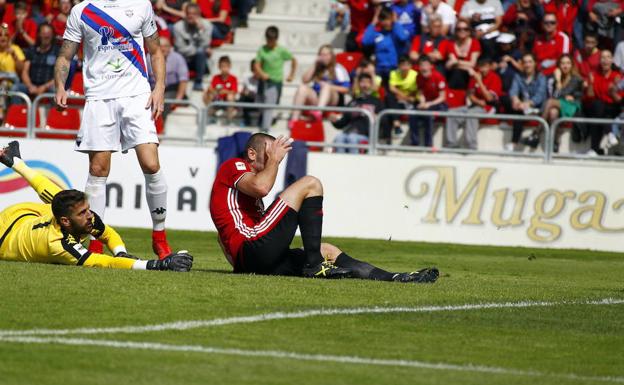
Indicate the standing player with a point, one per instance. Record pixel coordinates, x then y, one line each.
117 112
53 231
258 241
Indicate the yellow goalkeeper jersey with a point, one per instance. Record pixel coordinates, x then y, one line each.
30 233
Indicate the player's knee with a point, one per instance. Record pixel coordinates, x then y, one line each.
151 167
313 183
99 169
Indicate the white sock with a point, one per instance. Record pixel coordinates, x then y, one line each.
156 194
96 193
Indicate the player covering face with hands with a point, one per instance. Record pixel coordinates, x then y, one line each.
53 232
255 240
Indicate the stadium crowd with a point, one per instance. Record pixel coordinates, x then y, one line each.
548 58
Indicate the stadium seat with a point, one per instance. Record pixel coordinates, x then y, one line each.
16 120
160 125
309 132
349 60
216 43
68 119
78 83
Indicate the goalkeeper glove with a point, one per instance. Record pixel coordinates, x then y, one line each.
181 261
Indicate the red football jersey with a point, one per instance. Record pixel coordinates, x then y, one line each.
208 9
587 64
219 83
602 84
492 83
431 86
547 51
239 217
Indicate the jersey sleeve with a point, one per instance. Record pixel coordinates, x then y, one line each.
233 170
106 261
73 29
67 251
148 28
285 54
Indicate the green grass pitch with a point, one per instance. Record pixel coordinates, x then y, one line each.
566 341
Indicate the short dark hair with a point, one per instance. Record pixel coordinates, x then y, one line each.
404 59
63 202
590 34
272 32
225 59
256 141
20 6
484 59
385 14
363 76
424 59
190 6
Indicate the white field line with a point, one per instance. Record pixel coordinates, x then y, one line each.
186 325
154 346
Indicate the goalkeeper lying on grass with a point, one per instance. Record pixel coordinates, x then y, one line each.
53 232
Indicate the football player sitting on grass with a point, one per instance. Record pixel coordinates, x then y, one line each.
53 232
256 240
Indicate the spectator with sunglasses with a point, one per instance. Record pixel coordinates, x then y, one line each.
550 45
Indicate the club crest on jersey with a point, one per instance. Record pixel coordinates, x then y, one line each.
106 32
129 12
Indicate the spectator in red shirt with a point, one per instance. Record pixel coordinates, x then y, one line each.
22 28
523 18
431 97
566 11
587 59
170 10
7 12
461 56
60 20
550 45
362 13
605 94
484 89
429 43
224 86
218 13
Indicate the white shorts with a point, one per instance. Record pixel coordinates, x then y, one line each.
116 124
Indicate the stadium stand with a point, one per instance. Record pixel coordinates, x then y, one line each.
503 29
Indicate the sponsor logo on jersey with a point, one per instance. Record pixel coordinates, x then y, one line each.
241 166
129 12
80 249
115 66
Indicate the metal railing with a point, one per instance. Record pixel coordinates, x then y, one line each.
29 121
50 97
559 122
265 106
462 115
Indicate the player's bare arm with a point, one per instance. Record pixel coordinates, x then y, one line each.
258 185
157 99
61 71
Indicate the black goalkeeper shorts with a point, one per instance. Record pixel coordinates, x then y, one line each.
271 254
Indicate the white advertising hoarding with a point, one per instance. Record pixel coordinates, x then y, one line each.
459 200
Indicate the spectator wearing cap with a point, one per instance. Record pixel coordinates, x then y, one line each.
192 40
587 58
550 45
527 95
604 95
508 57
388 40
218 13
38 72
408 15
461 55
23 28
431 97
442 9
429 43
486 18
484 90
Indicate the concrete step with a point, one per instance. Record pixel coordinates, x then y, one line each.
287 23
314 8
293 39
